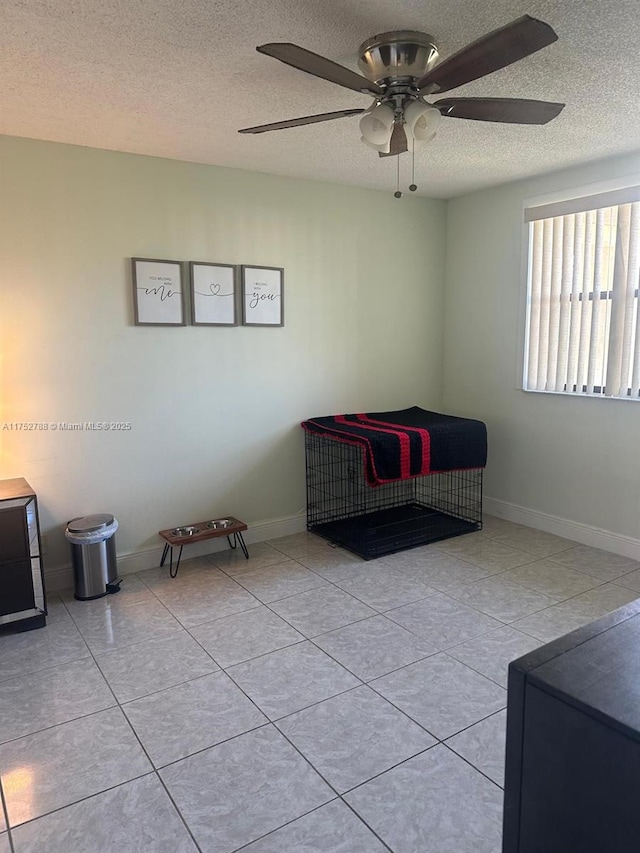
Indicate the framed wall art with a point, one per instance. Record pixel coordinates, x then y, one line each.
213 294
262 296
158 293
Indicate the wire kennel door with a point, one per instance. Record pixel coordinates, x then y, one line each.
373 521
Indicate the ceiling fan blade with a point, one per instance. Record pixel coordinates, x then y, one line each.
398 142
317 65
511 110
296 122
497 49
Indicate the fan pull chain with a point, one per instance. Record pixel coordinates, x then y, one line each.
397 193
412 185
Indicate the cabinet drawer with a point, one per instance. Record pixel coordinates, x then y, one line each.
16 587
14 540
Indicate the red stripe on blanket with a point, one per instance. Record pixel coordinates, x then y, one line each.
405 459
423 433
398 432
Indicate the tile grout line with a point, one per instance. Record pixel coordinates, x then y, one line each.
389 769
304 758
306 814
512 622
422 726
121 706
292 595
254 703
187 630
153 770
305 638
447 592
370 828
364 563
381 613
53 666
272 723
44 669
339 796
367 683
335 584
4 811
328 698
93 652
468 665
55 725
309 639
404 713
363 683
223 669
185 627
348 624
58 725
471 725
435 590
491 573
173 762
473 766
81 800
278 828
558 601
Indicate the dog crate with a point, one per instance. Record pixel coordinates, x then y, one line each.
373 521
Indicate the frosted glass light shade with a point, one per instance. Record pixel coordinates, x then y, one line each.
384 149
421 121
376 126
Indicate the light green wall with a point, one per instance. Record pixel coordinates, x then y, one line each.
577 459
214 411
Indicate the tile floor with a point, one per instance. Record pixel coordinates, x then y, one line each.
302 701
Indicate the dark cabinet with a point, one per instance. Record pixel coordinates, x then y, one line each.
22 591
572 782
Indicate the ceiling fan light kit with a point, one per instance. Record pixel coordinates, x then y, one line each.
376 126
421 121
401 69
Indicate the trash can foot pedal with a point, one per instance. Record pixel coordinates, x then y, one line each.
114 586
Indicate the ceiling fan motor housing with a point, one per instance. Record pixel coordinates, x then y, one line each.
398 54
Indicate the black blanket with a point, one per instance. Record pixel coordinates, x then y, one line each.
408 443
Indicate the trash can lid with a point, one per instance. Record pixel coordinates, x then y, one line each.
90 523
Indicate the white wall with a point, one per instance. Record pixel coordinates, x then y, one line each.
214 411
576 459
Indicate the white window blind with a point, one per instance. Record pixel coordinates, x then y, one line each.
583 322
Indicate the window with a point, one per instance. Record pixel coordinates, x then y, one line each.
583 323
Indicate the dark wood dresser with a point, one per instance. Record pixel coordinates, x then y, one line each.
572 782
22 592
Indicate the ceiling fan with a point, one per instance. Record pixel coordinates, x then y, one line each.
402 68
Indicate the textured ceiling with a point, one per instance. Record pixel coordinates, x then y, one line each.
177 78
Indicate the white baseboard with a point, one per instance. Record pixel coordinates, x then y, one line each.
627 546
61 577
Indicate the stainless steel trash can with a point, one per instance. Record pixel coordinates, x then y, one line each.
93 554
